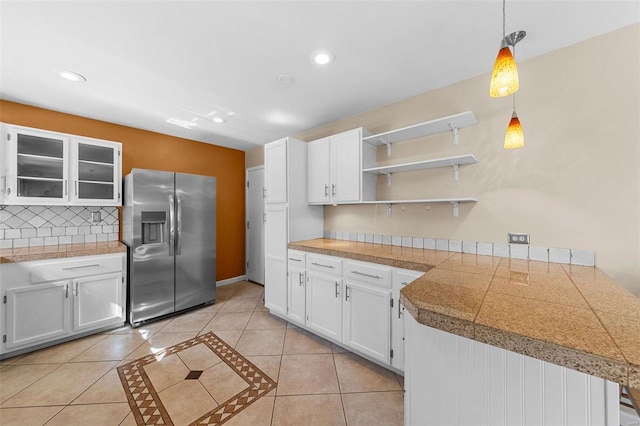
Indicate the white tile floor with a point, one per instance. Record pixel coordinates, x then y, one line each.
77 383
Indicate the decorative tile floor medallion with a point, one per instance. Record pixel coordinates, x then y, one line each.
147 407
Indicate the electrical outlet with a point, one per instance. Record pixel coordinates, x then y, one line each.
96 217
518 238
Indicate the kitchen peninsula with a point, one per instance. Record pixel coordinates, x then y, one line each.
496 341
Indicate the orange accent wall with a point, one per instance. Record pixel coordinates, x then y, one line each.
149 150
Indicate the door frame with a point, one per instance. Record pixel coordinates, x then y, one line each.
246 215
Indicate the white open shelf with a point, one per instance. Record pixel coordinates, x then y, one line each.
425 164
454 202
440 125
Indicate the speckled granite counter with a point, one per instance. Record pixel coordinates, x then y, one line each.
60 251
573 316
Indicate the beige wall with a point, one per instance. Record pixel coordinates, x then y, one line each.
254 157
576 184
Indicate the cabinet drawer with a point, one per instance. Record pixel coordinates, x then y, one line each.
327 264
296 258
369 273
75 268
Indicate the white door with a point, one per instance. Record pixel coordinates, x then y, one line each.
324 313
275 175
366 320
37 313
318 169
255 224
275 267
97 301
346 172
296 288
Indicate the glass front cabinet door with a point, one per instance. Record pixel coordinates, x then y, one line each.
46 168
96 172
37 167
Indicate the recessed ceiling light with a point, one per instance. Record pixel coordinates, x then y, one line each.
218 119
72 76
323 57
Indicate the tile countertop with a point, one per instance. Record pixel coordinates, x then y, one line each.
573 316
60 251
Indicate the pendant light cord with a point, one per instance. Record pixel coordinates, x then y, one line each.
504 19
514 93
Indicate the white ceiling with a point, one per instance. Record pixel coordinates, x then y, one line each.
147 61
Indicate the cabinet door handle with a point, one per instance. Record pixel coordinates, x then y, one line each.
76 291
300 274
80 267
295 260
377 277
66 291
333 189
346 293
326 190
398 307
324 266
337 289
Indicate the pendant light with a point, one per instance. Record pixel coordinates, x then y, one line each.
504 77
514 137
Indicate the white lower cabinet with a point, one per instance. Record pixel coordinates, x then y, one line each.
36 314
97 301
348 302
401 277
275 259
47 301
366 321
324 305
296 287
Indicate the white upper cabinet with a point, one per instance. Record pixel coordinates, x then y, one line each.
319 171
346 167
96 172
36 166
275 178
335 168
39 167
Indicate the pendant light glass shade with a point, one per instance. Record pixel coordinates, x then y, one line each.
504 77
514 138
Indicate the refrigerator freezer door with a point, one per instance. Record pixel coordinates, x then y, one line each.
195 246
151 265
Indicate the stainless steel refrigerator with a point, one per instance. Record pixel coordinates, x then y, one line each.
169 225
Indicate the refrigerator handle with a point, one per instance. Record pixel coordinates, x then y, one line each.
172 230
179 226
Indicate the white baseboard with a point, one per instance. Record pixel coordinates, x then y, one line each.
231 280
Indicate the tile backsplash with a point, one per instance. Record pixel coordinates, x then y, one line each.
514 251
29 226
